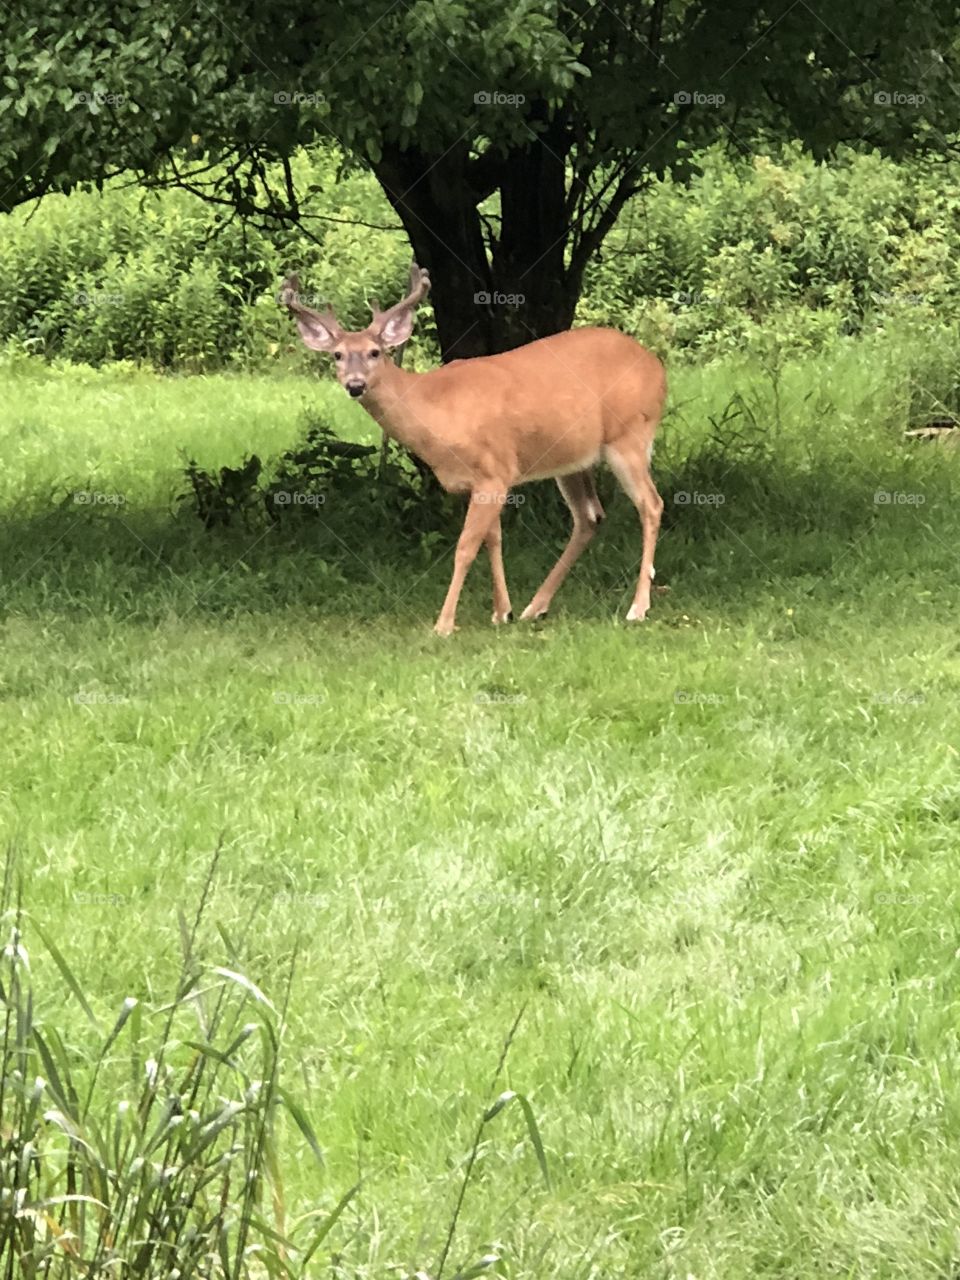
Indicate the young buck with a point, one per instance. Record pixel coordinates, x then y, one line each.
553 408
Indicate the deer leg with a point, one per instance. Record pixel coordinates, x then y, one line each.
581 497
632 468
483 511
502 612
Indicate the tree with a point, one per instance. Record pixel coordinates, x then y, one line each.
507 135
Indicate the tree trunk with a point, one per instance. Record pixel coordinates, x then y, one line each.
483 307
439 212
528 258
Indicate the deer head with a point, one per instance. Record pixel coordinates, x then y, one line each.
358 357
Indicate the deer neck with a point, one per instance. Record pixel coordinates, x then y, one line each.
395 405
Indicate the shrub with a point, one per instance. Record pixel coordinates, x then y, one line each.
814 251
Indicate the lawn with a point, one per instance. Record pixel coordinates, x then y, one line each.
709 859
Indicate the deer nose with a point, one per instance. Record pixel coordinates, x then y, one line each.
356 387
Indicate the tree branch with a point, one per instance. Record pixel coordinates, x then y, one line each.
591 238
208 192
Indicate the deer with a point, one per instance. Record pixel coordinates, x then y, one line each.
551 409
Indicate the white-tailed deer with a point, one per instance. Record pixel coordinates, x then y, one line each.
553 408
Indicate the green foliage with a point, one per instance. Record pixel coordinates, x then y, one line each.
781 250
168 280
385 488
217 499
453 103
83 95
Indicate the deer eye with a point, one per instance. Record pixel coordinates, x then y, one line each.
338 355
374 354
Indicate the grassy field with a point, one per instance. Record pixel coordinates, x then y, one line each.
710 857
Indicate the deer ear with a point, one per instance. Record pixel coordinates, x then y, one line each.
315 334
396 329
320 331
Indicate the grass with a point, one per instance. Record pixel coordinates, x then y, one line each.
709 857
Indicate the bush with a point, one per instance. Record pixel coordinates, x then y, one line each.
387 489
814 251
811 251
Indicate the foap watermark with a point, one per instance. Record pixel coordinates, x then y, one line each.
896 498
297 99
498 698
891 898
97 698
96 98
94 498
97 298
683 298
284 698
899 299
298 498
898 98
486 299
314 300
694 498
495 98
694 98
696 697
900 698
501 499
83 899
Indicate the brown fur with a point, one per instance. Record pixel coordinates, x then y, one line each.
553 408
